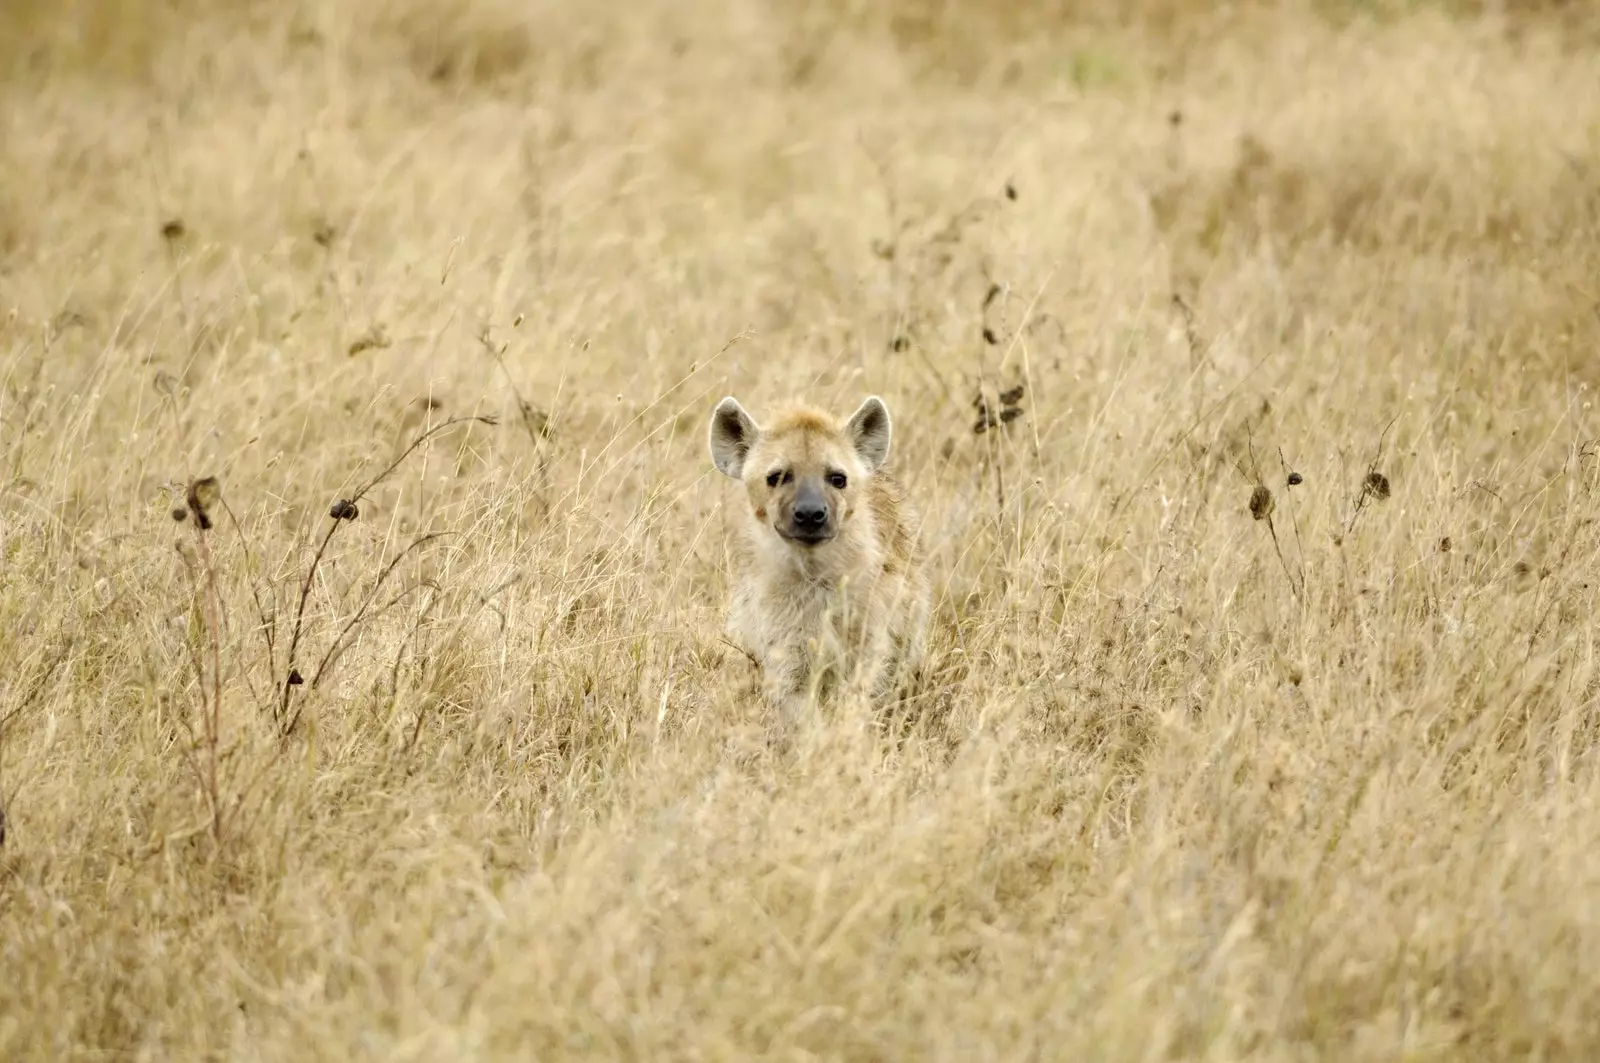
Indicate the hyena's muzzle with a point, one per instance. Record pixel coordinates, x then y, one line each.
806 518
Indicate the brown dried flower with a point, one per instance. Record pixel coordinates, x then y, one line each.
1261 502
204 493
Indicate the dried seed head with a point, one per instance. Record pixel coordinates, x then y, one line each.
1295 479
1011 191
986 419
537 420
1261 502
203 495
1378 484
1009 414
989 337
1444 545
179 514
173 229
205 492
1012 396
899 343
374 338
344 509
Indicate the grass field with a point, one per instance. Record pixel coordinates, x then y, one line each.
1206 766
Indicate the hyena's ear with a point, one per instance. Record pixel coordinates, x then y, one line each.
733 433
869 431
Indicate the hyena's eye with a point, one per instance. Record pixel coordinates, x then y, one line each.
779 477
837 479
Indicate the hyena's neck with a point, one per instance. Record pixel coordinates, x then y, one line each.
832 567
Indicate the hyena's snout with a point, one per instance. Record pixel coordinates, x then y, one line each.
810 518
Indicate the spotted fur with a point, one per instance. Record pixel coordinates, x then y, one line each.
829 588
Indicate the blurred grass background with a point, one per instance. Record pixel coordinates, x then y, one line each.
1191 778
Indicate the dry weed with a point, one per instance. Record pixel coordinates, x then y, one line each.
362 696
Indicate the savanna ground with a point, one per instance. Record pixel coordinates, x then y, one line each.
1205 766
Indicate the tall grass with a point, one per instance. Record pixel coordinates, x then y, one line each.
1243 370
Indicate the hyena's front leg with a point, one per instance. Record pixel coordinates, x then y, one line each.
908 644
909 652
785 677
873 673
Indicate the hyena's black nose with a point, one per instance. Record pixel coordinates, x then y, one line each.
811 514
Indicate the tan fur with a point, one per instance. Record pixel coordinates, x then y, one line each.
849 612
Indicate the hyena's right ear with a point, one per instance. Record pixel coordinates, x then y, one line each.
733 433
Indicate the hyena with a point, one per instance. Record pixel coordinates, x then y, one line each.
829 587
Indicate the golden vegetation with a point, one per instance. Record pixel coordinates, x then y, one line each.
362 692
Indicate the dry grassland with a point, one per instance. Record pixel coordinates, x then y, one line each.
1205 766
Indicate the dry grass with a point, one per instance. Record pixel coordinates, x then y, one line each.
1182 784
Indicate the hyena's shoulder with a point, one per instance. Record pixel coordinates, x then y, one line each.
895 521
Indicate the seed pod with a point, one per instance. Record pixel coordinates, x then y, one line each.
1261 502
203 495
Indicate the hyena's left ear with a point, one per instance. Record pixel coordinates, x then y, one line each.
869 431
733 433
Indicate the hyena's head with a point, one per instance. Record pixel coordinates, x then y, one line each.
805 473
